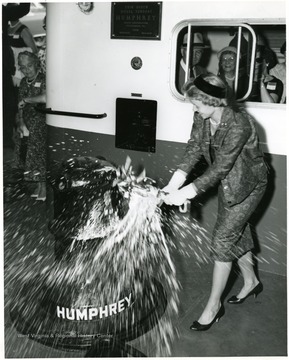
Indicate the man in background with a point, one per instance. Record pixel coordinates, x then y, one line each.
195 69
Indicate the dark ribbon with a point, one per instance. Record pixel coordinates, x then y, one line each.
210 89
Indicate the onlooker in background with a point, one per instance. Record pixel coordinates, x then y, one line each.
271 88
258 68
42 50
195 69
198 51
279 72
227 71
244 64
8 70
20 39
32 123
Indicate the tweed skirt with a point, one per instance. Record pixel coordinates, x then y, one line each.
232 235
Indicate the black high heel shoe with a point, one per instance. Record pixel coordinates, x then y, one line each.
256 291
203 327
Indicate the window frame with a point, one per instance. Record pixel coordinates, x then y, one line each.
207 23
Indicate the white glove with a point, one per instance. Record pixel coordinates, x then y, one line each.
179 197
177 180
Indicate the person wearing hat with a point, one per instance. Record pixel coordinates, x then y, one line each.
244 47
227 138
258 69
195 69
279 72
271 88
227 71
20 39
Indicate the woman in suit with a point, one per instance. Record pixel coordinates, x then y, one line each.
227 138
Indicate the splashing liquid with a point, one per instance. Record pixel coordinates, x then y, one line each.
116 278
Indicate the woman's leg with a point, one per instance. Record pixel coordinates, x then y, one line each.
247 269
221 274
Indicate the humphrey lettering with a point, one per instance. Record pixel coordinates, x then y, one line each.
92 313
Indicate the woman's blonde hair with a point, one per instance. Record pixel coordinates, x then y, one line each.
210 89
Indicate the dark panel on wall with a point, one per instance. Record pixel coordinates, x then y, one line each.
269 223
136 124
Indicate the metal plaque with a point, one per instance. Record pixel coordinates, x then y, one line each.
136 20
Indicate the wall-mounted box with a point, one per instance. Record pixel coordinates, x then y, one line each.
136 124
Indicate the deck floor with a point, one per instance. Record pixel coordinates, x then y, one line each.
258 327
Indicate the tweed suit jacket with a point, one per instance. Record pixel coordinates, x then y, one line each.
239 164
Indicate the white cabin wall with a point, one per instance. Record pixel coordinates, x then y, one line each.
87 70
